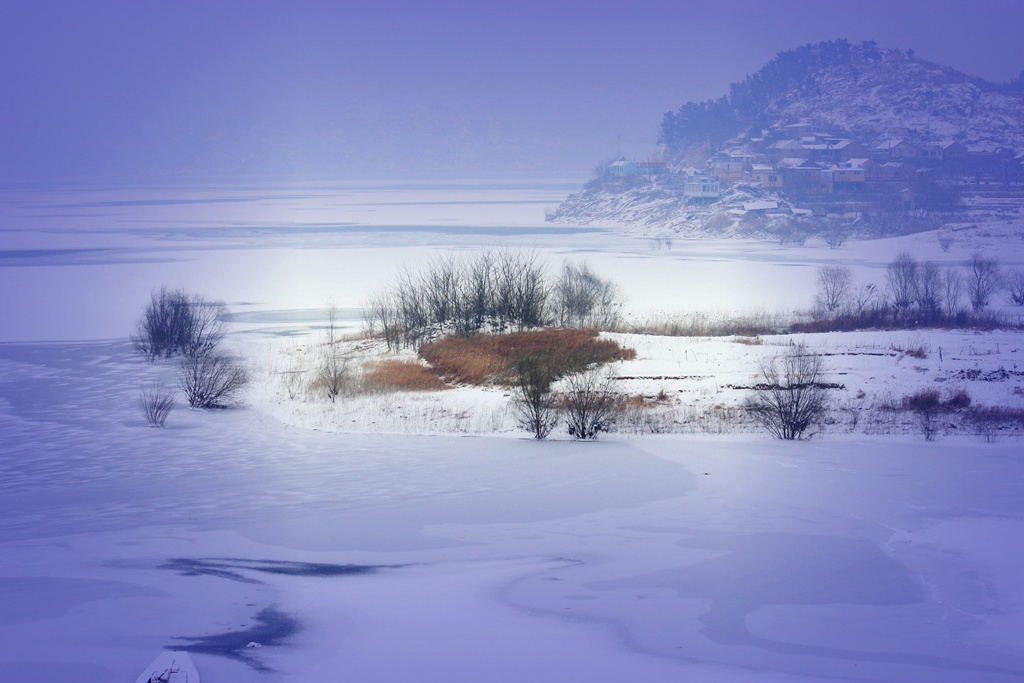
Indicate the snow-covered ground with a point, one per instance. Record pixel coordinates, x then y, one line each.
396 557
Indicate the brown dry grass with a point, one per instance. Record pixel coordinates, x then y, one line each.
484 358
401 375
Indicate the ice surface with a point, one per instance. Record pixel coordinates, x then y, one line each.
728 558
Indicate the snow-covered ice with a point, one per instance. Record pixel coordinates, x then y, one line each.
397 557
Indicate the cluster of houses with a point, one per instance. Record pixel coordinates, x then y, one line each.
798 158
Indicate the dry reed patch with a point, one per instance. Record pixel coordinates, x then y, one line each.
484 358
401 375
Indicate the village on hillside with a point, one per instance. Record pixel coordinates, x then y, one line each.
796 173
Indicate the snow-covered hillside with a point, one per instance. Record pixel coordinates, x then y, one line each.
899 95
909 126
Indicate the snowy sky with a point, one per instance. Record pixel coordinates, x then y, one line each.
189 90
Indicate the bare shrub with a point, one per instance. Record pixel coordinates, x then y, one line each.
791 397
581 298
534 407
945 240
179 323
983 280
588 404
211 380
915 349
835 234
834 283
989 422
332 372
1015 287
958 399
927 406
156 401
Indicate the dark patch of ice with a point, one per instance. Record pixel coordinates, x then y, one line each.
272 628
231 568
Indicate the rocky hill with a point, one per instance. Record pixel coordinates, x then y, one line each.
864 93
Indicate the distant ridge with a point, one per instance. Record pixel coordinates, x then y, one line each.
828 137
860 90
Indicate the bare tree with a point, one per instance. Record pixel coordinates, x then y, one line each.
179 323
865 298
211 380
588 404
901 280
534 405
835 234
332 372
156 401
983 280
1015 285
952 291
584 299
929 291
790 399
834 283
488 290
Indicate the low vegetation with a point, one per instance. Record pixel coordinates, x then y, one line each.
185 325
493 358
394 374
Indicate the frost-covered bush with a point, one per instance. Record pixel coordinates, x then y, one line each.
791 397
211 380
179 323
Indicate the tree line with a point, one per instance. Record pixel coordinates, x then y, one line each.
489 291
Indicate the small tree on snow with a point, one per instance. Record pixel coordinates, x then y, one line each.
790 398
534 405
983 280
833 287
332 372
589 405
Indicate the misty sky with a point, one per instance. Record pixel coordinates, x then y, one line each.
193 91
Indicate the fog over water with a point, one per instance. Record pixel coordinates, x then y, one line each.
189 91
